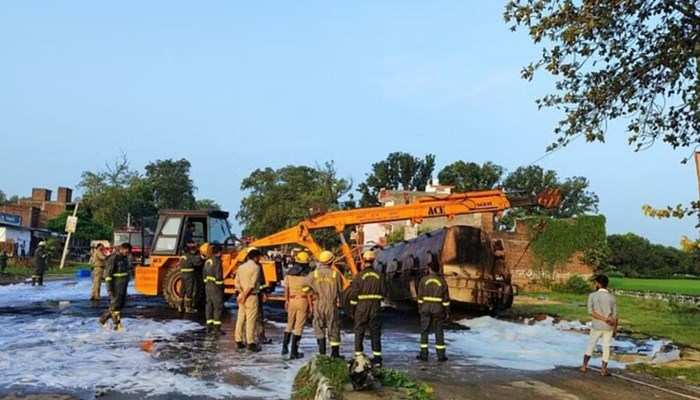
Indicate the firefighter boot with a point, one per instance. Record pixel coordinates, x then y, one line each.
335 352
377 362
40 280
295 348
423 355
441 355
240 345
117 322
285 343
254 347
321 346
104 318
34 280
189 309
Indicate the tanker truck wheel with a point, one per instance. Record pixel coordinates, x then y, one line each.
171 287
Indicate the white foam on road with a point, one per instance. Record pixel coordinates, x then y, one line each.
540 346
67 352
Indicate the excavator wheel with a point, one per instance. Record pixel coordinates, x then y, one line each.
171 287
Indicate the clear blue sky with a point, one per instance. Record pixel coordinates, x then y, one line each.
233 87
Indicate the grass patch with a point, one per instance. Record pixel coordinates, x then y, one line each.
414 390
640 317
682 286
336 371
691 375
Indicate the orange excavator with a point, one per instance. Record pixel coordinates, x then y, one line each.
162 276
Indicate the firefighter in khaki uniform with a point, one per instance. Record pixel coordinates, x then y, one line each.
247 282
296 304
189 264
214 290
433 305
326 284
368 291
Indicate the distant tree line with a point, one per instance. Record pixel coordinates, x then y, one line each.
633 256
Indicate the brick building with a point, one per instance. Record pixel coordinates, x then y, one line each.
25 222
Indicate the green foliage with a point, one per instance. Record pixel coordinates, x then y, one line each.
335 370
682 286
686 374
279 199
88 229
634 256
631 60
206 204
532 180
470 176
597 257
8 200
394 378
397 235
555 241
574 285
399 171
170 183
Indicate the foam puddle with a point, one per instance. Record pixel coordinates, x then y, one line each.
66 352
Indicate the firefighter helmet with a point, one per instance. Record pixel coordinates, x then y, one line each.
368 255
326 257
302 257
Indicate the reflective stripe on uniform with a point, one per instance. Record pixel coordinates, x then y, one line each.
433 280
440 347
215 322
446 303
183 258
377 353
335 343
120 274
187 269
324 279
358 353
212 279
424 345
420 301
371 274
353 302
432 299
369 297
109 278
210 321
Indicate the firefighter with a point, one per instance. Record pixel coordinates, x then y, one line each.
98 268
433 306
368 292
247 283
40 264
325 283
263 295
117 269
296 304
190 265
214 290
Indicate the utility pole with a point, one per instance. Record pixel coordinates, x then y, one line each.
71 224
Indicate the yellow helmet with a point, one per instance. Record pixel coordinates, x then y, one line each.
326 257
368 255
302 257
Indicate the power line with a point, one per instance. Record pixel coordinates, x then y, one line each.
549 153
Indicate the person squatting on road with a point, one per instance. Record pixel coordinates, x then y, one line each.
190 267
367 290
40 264
296 304
603 308
214 290
247 283
433 306
98 268
117 269
326 284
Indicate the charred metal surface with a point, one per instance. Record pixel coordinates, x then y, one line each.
470 259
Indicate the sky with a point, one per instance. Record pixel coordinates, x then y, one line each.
236 86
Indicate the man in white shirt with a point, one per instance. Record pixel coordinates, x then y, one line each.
602 306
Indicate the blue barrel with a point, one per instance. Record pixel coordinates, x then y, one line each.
83 273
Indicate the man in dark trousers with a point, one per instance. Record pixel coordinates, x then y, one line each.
117 270
214 290
40 264
3 261
190 267
296 304
434 308
368 287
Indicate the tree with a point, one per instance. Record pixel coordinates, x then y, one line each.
633 60
635 256
115 191
470 176
171 184
206 204
399 171
279 199
88 229
531 180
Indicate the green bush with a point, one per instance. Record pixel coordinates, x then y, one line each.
573 285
